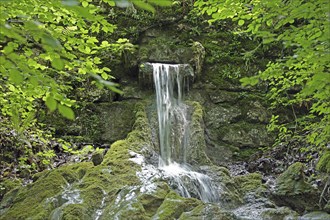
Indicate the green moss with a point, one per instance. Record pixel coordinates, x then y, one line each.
207 211
30 201
8 184
152 200
196 153
174 205
75 212
249 182
279 213
292 181
244 154
125 205
323 164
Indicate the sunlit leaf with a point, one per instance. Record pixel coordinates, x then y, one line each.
15 76
144 5
66 111
51 103
164 3
58 63
241 22
84 4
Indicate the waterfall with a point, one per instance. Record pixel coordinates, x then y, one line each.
172 113
173 121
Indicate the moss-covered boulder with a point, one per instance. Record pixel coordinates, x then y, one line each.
323 164
208 212
249 183
316 215
48 192
79 190
293 190
279 213
174 205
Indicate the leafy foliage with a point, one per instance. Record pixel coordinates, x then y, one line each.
300 77
46 47
46 51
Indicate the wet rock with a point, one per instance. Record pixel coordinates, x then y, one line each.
293 190
97 158
174 205
125 206
196 152
229 196
186 71
207 212
279 213
152 199
317 215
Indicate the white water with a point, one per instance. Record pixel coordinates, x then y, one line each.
173 135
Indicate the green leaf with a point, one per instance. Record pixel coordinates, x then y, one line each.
58 63
110 2
51 103
50 41
163 3
104 75
15 76
249 81
84 4
144 5
66 111
241 22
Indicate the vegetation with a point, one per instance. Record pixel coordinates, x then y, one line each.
48 53
299 76
54 53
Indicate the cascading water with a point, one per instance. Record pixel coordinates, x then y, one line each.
173 135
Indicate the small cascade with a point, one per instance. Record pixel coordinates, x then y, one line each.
173 119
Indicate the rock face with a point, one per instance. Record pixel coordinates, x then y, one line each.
146 74
163 46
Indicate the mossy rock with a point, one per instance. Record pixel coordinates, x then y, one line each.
125 206
316 215
88 185
196 153
75 212
323 164
207 212
152 200
7 185
251 182
174 205
293 190
229 193
293 181
279 213
47 186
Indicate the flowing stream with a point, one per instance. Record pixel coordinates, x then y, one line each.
173 120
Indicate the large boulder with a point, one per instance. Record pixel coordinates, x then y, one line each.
293 190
